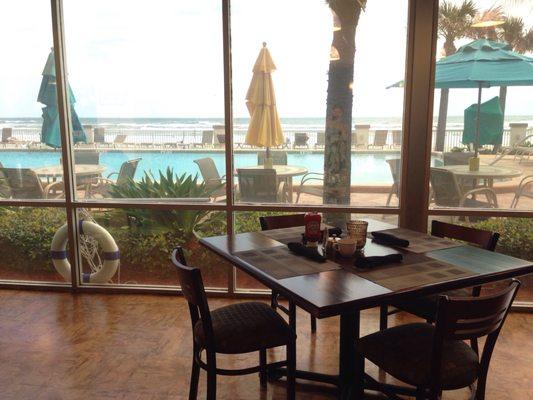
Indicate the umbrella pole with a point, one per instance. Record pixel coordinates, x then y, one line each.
478 121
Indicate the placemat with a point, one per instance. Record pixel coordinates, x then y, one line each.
420 242
285 235
413 271
280 263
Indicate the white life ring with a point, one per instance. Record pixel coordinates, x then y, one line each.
111 254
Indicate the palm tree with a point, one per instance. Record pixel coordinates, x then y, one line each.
337 151
520 39
455 22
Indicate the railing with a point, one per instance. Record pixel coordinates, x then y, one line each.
161 138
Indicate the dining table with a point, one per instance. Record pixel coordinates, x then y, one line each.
285 173
337 288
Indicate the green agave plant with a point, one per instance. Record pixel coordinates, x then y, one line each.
169 186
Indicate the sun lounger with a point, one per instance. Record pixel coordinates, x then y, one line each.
360 136
300 140
320 140
207 139
380 138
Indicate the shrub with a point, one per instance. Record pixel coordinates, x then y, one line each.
516 235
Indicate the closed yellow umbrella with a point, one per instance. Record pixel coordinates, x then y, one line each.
264 129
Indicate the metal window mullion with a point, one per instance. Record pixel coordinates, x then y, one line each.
66 142
228 127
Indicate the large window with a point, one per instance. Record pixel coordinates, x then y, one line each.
191 119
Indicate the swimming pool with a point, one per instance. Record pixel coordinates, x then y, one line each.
366 168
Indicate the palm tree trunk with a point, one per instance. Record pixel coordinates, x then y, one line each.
337 149
503 99
441 123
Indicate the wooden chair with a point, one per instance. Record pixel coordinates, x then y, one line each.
278 157
380 138
235 329
214 182
23 183
394 165
279 222
433 358
101 185
261 185
426 306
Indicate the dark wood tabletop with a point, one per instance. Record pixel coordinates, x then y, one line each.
331 293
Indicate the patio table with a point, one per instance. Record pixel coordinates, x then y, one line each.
486 172
345 291
285 173
80 170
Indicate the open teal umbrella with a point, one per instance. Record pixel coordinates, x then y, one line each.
483 63
50 131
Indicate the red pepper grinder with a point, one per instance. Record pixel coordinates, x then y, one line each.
313 234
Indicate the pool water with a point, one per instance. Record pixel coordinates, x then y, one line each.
366 168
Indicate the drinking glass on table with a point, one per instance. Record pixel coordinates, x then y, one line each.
357 230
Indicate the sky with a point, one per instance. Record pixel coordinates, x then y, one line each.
128 60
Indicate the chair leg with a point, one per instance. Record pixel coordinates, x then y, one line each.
211 376
313 324
273 300
195 376
291 369
474 345
383 317
263 368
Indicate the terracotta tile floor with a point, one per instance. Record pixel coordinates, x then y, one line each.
63 346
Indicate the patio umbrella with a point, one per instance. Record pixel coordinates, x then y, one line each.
264 129
50 131
483 63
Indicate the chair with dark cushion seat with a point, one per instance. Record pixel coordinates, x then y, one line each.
433 358
426 306
279 222
234 329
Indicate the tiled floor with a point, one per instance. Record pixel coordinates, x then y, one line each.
61 346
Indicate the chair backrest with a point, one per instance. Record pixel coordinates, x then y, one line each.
209 172
87 157
471 318
21 183
446 190
192 288
300 138
456 158
482 238
221 138
321 138
397 137
6 134
127 171
207 137
99 135
258 185
394 165
119 139
269 222
278 157
380 137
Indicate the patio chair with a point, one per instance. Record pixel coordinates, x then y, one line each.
261 185
278 157
239 328
396 138
207 139
433 358
448 193
120 140
524 189
269 222
23 183
87 157
214 183
380 138
456 158
300 140
320 140
394 165
517 149
315 189
102 185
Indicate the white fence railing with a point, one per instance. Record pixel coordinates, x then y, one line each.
151 138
